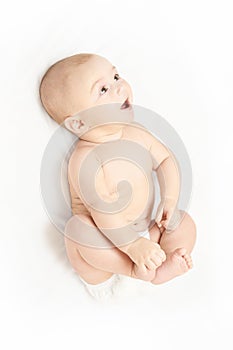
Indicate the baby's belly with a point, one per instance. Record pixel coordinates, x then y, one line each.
135 194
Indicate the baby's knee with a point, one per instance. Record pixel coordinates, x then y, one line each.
188 223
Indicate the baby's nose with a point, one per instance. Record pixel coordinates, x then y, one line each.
120 89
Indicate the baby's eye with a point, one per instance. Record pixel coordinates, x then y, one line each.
116 76
103 90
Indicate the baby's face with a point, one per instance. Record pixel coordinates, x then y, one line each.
97 82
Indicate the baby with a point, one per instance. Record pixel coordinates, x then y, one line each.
85 94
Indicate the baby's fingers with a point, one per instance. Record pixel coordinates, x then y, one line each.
162 255
142 272
160 252
157 260
152 264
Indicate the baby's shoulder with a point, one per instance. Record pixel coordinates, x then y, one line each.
140 133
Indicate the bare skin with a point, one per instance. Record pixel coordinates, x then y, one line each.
143 253
164 256
178 261
97 265
170 255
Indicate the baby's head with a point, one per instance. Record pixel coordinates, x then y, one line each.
80 82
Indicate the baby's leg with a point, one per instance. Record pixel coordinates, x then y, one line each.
96 265
177 245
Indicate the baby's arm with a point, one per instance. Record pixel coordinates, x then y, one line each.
168 174
168 177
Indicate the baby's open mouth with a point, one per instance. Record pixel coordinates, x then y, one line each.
126 104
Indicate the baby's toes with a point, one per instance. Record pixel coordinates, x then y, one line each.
188 260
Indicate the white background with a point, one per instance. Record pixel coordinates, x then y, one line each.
177 56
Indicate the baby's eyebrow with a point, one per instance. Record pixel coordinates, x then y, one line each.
113 67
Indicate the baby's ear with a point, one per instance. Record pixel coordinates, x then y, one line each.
75 125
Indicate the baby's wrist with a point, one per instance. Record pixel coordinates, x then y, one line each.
126 247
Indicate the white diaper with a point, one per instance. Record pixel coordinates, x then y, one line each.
105 290
144 234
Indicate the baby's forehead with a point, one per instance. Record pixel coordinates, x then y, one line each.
96 65
93 69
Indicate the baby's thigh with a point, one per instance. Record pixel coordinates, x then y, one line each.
83 231
95 249
110 260
89 273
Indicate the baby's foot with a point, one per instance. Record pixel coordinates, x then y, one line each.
176 264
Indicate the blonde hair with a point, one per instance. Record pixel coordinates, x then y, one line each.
53 85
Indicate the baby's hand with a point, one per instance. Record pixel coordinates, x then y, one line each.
166 212
146 254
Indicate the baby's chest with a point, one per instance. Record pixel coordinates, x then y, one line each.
114 171
135 171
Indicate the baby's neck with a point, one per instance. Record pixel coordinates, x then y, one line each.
106 137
